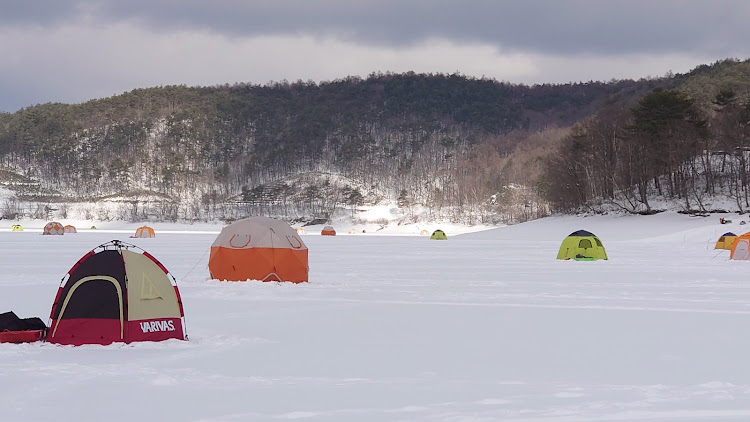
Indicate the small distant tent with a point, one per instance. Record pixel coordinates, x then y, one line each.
16 228
301 230
144 231
53 227
352 231
116 293
70 229
93 227
258 248
582 245
438 235
328 231
741 248
725 241
424 232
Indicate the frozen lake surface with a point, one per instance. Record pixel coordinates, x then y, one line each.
485 326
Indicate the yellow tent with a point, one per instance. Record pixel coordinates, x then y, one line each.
725 241
582 246
16 228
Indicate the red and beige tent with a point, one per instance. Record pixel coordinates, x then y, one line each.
328 231
70 229
258 248
144 231
116 293
53 227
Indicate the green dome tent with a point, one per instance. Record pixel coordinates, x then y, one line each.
582 245
438 235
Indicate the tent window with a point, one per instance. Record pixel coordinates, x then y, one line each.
598 242
584 243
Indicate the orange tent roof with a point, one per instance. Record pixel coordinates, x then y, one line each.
741 247
144 231
53 227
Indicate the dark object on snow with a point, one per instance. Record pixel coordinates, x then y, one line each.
723 220
33 323
9 321
20 330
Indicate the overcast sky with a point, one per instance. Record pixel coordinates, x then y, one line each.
72 51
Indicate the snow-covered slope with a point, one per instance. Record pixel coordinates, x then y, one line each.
620 227
485 326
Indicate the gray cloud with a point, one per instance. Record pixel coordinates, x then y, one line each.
559 27
74 50
20 12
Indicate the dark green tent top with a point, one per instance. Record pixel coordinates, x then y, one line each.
582 233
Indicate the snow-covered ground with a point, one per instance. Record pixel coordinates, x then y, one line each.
485 326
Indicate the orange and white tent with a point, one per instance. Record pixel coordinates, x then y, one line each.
258 248
53 227
741 248
144 231
424 232
69 229
328 231
352 231
301 230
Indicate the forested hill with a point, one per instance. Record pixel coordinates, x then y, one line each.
462 148
687 148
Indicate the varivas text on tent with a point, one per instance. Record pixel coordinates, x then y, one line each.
153 326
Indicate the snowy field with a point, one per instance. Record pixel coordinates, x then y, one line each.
485 326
